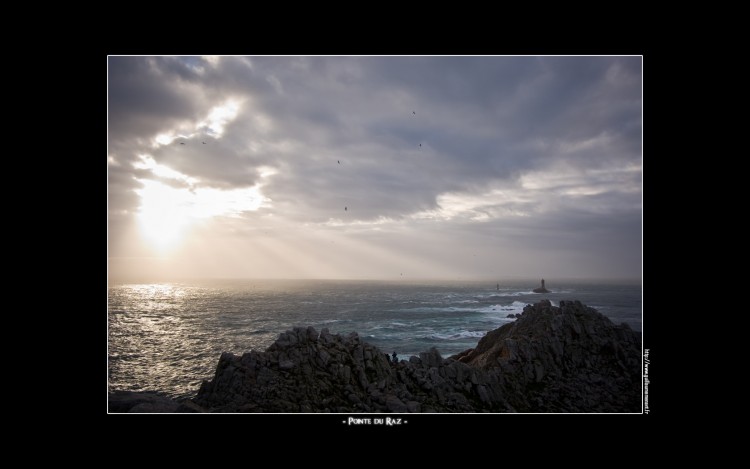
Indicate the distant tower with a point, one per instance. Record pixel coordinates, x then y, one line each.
541 289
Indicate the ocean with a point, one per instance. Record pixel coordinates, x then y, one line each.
168 336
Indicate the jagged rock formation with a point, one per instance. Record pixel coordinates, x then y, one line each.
563 359
551 359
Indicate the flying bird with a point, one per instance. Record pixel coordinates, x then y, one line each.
204 143
420 145
414 112
338 161
345 209
182 143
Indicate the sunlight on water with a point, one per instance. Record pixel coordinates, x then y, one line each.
168 337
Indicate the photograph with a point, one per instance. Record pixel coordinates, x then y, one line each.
375 237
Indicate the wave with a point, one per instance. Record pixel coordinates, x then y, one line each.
463 309
505 295
458 335
515 307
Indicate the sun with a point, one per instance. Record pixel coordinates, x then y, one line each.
169 211
164 216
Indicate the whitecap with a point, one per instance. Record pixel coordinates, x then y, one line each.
458 335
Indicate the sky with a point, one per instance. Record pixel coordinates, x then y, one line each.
402 167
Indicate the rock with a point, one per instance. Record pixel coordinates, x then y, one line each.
325 336
135 402
394 404
413 406
483 394
190 407
550 359
431 358
460 356
286 365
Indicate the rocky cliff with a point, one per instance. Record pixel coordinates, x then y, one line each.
551 359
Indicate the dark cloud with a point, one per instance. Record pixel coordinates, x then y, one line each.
142 100
215 163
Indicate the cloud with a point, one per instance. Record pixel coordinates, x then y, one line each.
519 148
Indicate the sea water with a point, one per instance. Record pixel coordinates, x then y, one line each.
168 336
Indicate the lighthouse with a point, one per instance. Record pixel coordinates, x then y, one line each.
541 289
